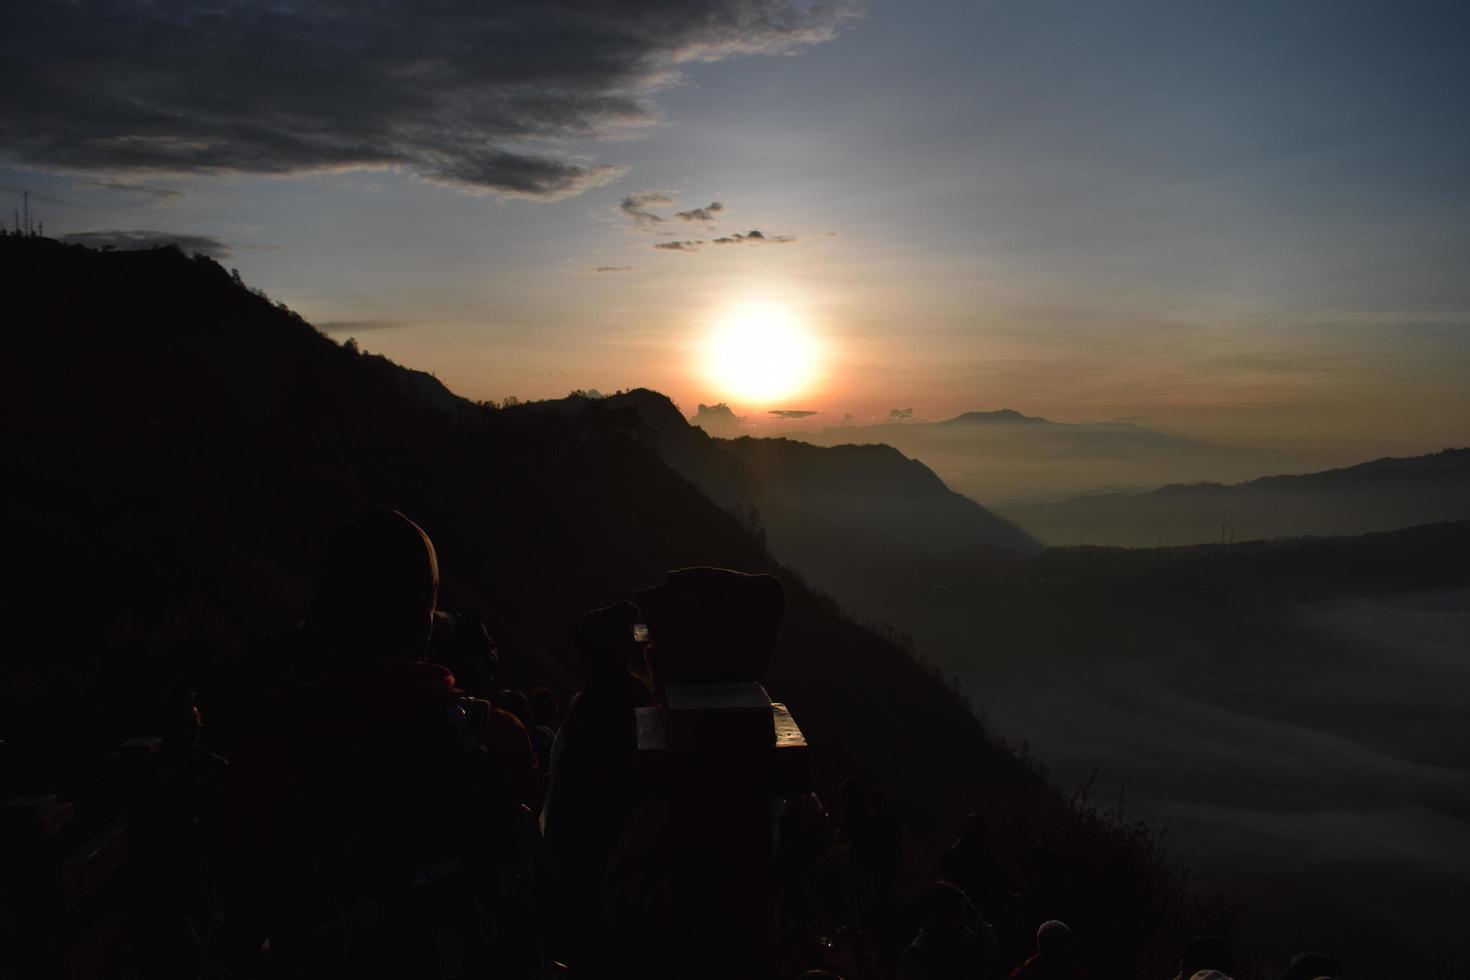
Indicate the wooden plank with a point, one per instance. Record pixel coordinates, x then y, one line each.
41 815
93 864
781 767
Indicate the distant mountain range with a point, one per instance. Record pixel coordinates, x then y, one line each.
1381 495
1005 455
816 505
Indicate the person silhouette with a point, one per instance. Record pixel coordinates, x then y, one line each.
1311 966
1201 953
954 940
592 791
972 865
1055 957
371 779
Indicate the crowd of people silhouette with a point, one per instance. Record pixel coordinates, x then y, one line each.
391 811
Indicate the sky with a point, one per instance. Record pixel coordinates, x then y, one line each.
1243 221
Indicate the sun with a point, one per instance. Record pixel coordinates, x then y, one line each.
760 353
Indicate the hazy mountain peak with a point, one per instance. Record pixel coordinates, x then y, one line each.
1000 416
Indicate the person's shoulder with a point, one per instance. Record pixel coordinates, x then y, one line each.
911 961
1026 969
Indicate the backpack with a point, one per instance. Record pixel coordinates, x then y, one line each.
414 859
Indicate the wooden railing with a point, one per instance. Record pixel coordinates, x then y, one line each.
70 905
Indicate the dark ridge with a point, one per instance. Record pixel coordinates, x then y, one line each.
1380 495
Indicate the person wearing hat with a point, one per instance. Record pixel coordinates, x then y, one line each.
712 625
690 887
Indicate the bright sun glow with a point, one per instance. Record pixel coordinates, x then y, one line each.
759 354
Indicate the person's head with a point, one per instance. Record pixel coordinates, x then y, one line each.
946 910
1054 939
375 593
180 724
543 706
1310 966
1205 953
604 643
712 625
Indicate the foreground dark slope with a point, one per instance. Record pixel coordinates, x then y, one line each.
178 449
1381 495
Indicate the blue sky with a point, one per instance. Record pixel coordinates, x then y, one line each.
1240 220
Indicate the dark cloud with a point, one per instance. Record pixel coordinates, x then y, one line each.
754 237
704 215
479 96
144 239
615 268
900 413
789 413
678 246
358 326
131 188
636 206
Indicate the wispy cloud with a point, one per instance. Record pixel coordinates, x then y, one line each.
638 207
792 413
615 268
754 237
704 215
131 188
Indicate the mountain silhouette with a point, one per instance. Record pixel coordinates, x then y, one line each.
1380 495
180 449
813 503
1002 416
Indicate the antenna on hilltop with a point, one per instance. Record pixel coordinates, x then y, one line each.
27 198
